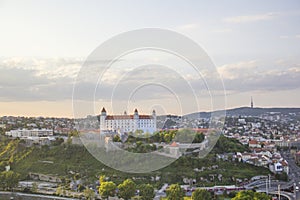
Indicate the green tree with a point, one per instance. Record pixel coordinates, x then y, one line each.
147 192
282 176
74 133
9 179
102 179
116 138
76 176
60 191
69 141
107 189
250 195
34 187
89 194
261 196
167 137
200 194
185 135
127 189
199 137
80 188
175 192
225 144
58 141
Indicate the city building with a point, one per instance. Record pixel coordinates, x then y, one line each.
127 123
29 133
297 157
254 144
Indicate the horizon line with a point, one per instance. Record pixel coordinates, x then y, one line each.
232 108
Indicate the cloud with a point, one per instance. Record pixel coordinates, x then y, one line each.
32 79
237 70
14 77
53 80
25 85
250 18
51 67
22 82
291 62
298 36
250 76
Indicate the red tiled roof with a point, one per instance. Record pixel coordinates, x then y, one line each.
253 142
204 130
145 116
257 150
116 117
174 144
119 117
284 163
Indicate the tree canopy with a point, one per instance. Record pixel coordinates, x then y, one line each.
127 189
250 195
175 192
107 189
147 192
225 144
200 194
9 179
89 194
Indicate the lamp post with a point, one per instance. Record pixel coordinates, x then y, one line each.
295 194
269 176
267 189
279 192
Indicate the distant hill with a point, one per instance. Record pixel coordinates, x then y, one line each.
246 111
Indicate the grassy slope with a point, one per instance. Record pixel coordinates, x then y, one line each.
77 159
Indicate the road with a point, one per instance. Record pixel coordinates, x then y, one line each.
294 176
25 196
294 173
161 193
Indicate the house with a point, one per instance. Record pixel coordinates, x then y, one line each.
279 166
285 166
254 144
43 177
297 157
29 133
174 149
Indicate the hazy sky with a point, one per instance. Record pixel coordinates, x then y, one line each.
254 44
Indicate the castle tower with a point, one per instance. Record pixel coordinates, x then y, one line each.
154 119
136 114
102 119
103 111
153 114
136 119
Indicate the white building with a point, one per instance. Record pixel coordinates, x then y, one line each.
29 133
128 123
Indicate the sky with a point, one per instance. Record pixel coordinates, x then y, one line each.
254 45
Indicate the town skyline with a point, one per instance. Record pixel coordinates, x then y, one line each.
130 112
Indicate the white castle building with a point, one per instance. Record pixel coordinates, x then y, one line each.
128 123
